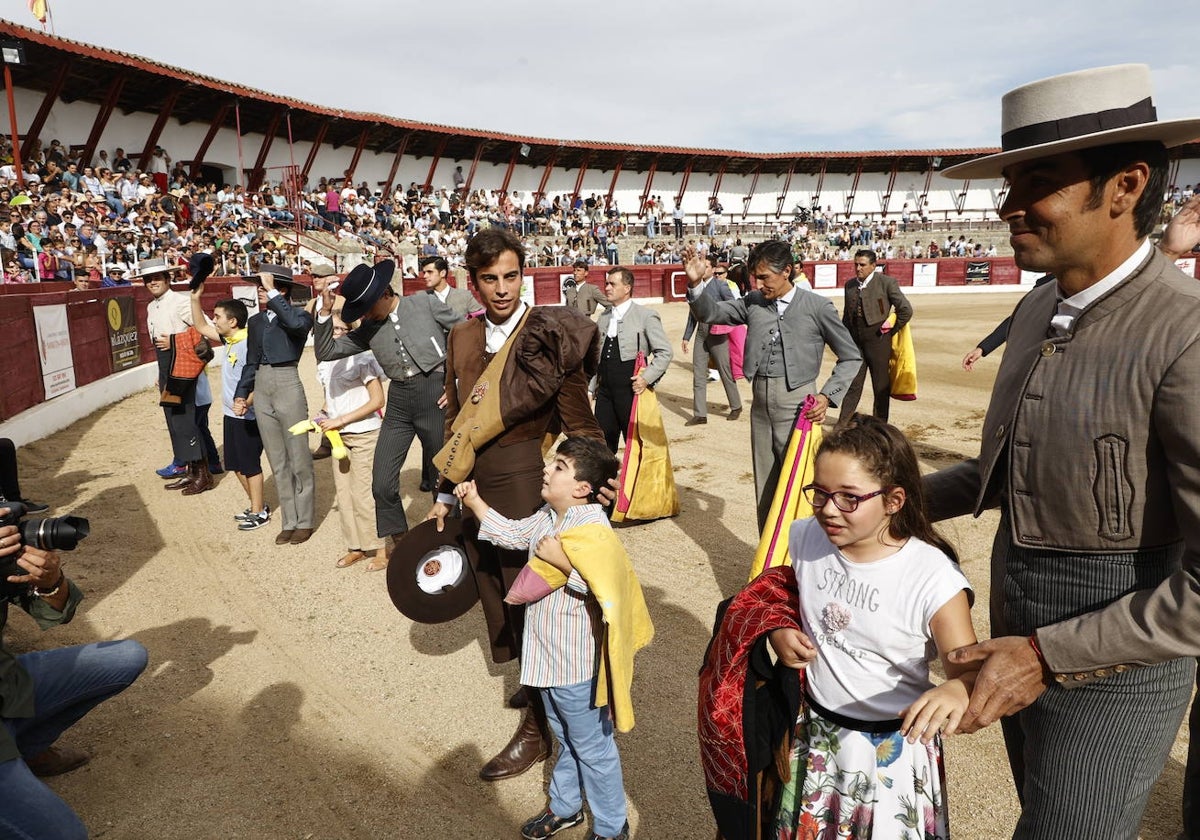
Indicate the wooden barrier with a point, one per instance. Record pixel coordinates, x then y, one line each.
87 322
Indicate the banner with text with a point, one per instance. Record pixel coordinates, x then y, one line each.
122 333
54 349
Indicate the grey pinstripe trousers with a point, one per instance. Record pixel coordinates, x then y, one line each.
1084 760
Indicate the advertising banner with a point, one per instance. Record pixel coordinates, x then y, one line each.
122 333
54 349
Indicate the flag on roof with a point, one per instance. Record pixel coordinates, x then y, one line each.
39 9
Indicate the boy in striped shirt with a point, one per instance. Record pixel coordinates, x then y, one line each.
561 640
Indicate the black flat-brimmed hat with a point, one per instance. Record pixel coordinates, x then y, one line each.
430 575
282 274
200 266
1082 110
363 286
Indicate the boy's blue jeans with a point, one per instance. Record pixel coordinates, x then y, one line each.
587 758
68 683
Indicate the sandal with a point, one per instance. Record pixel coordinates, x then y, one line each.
378 563
546 823
350 559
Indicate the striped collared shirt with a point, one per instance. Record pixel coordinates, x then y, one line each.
559 646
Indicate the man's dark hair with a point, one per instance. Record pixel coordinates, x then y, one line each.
235 309
437 262
593 461
486 247
579 264
625 275
1103 162
775 254
868 253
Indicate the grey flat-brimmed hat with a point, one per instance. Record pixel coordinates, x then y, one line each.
282 274
1082 110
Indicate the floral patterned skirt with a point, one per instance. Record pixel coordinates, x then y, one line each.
859 785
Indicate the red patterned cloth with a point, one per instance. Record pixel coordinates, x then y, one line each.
730 753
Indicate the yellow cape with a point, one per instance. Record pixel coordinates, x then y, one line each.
902 366
789 503
647 482
598 556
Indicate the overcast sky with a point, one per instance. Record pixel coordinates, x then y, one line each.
755 75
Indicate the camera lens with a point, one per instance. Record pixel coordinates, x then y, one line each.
56 533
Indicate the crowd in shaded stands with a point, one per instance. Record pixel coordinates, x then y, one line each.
73 220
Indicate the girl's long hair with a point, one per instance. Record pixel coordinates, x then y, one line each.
885 453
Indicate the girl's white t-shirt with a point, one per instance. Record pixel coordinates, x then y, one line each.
870 621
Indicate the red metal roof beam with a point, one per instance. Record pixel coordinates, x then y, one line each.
311 158
102 115
39 119
400 150
437 156
358 150
164 114
258 172
474 166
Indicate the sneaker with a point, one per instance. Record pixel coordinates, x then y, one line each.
172 470
713 376
254 521
547 824
249 514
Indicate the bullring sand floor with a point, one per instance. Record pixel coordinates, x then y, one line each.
288 699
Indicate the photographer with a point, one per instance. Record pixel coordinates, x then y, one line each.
43 693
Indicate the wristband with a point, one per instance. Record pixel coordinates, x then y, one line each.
1037 650
62 577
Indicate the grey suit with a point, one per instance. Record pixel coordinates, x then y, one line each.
410 346
585 298
639 330
864 313
707 345
273 348
1091 447
807 325
461 302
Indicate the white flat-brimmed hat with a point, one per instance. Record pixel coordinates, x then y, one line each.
154 265
1081 110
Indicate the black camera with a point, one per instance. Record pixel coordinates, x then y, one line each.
53 533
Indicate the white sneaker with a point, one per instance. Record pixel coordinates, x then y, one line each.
713 376
247 514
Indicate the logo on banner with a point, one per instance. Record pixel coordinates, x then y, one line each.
979 273
54 349
122 333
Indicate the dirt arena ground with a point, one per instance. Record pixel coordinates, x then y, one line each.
288 699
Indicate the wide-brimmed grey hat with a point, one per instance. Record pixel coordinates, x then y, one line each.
1082 110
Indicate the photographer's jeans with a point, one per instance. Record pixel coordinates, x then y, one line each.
68 683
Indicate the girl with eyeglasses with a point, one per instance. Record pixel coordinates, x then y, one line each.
878 591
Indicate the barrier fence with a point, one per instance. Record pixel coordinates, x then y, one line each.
97 337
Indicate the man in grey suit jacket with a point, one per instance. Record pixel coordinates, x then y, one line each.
870 297
435 272
787 332
579 294
275 342
708 344
408 337
1090 449
625 329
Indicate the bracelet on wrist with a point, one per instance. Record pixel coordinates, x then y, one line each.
62 578
1037 650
